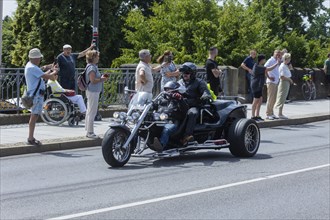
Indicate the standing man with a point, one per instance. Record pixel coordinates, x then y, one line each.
212 71
67 66
247 65
34 80
144 81
272 81
327 71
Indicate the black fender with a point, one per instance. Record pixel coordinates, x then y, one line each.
124 127
232 112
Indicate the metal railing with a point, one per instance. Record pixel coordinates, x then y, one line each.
12 85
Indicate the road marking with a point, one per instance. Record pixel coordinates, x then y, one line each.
129 205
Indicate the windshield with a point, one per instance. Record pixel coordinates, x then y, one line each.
140 99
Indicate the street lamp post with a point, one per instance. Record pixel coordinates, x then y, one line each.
96 12
1 8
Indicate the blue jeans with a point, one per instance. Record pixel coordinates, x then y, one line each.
168 130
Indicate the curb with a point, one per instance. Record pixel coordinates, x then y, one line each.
49 145
83 142
294 121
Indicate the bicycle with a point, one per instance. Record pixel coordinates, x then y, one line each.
308 87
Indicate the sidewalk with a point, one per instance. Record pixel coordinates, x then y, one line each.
13 137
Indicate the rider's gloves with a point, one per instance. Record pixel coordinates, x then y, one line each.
177 96
206 99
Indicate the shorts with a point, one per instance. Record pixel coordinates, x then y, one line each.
38 102
257 94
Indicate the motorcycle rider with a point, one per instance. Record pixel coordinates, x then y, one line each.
196 94
176 107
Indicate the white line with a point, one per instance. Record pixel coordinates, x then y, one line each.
124 206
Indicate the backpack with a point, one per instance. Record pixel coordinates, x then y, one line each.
81 81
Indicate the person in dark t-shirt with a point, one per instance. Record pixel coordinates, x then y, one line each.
212 71
247 65
67 66
257 83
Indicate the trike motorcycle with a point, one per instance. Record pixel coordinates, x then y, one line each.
221 124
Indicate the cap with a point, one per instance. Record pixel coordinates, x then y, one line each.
67 46
35 53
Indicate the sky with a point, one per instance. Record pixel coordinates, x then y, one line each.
9 6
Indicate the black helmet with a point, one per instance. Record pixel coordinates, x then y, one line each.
189 68
171 86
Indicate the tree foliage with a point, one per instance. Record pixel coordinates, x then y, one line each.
187 27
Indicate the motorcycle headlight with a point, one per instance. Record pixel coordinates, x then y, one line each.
163 116
156 116
135 116
122 115
130 120
116 114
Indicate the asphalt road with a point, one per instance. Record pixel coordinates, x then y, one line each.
288 179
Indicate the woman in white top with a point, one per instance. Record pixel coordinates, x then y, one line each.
284 86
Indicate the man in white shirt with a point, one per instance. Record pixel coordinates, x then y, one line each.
272 81
34 76
144 81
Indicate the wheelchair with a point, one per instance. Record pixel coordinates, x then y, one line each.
57 109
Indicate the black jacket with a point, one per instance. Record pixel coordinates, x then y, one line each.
196 88
176 109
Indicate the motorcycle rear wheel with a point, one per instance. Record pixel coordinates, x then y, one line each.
112 147
244 138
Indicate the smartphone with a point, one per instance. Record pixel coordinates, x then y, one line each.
106 74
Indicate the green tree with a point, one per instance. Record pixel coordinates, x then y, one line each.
50 24
191 31
8 41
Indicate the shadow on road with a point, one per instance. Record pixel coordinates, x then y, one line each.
67 155
189 160
269 142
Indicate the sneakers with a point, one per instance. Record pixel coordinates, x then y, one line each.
275 117
270 118
186 139
92 136
283 117
258 118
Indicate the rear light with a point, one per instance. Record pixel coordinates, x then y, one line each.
220 142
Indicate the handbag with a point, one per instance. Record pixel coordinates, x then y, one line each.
27 100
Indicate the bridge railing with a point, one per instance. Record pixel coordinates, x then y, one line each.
12 85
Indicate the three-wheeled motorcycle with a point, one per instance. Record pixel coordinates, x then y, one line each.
221 124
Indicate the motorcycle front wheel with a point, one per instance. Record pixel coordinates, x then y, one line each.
112 147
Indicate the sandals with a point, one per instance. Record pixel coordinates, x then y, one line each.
34 142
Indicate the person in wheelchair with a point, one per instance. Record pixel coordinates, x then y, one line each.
70 94
176 107
196 94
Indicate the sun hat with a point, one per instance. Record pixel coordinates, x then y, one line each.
67 46
35 53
